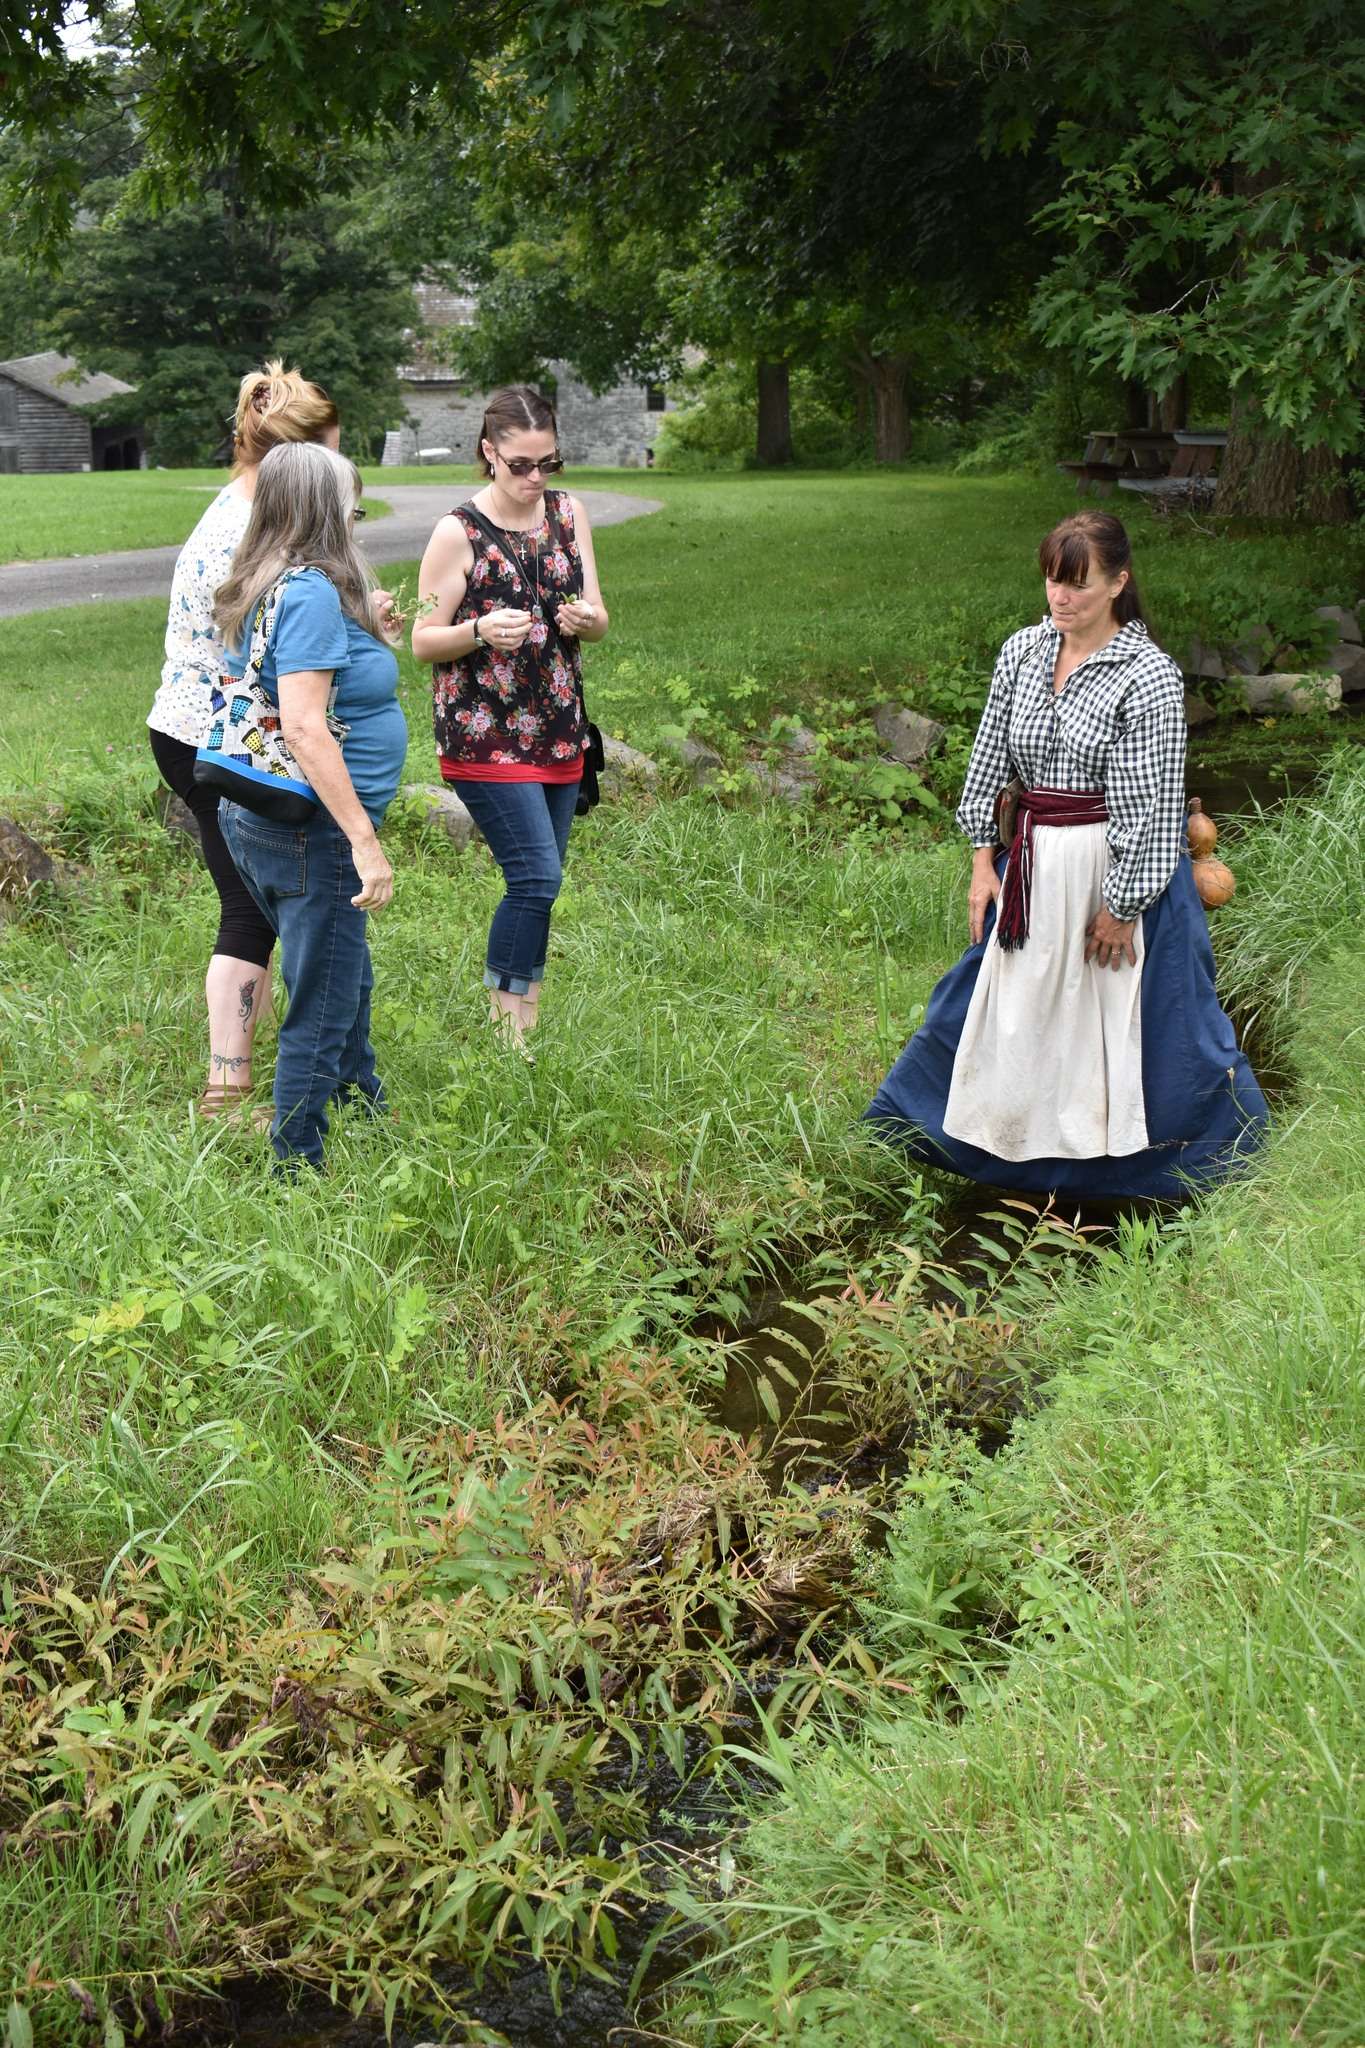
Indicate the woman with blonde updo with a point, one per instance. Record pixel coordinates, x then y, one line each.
274 406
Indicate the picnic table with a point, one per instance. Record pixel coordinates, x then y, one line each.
1193 473
1146 459
1116 453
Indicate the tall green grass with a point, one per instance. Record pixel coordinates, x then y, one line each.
183 1341
1121 1803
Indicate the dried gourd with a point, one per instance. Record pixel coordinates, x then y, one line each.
1214 881
1201 834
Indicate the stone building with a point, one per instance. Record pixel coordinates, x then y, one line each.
444 412
43 427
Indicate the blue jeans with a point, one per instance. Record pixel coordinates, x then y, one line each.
303 879
526 825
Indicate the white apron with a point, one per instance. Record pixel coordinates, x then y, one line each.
1049 1065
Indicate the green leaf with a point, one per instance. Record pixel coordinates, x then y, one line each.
140 1819
18 2027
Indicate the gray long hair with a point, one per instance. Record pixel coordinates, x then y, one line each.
300 519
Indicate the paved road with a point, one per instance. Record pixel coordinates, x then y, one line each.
146 572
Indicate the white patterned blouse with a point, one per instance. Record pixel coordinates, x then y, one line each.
193 651
1117 725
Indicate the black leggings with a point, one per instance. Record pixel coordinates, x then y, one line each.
243 933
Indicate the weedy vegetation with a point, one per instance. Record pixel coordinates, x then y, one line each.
360 1538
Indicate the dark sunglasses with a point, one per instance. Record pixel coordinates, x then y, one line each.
522 465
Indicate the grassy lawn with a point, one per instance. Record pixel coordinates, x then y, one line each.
347 1526
46 516
749 598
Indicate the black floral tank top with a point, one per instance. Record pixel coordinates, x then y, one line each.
504 717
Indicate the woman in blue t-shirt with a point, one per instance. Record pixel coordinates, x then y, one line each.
316 883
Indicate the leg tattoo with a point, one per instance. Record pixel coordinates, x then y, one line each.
246 997
225 1065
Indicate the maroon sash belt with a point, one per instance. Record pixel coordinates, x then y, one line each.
1038 807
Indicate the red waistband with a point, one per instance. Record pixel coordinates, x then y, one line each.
1038 807
1062 807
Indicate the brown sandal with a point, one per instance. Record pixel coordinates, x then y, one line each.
225 1099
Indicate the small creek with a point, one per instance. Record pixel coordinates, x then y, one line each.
1233 780
812 1439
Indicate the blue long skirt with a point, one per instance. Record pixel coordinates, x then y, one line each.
1205 1112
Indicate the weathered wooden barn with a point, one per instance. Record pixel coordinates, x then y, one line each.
42 426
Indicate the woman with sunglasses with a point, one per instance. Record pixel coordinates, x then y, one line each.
510 587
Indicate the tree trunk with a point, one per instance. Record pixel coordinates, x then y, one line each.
774 445
1266 475
886 377
1173 406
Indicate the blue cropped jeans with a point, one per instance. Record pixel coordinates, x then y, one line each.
303 878
526 825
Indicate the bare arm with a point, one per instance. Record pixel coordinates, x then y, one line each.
303 719
444 575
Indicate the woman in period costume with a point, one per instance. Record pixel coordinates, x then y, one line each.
515 591
1078 1046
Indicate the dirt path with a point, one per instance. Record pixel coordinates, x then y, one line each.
146 572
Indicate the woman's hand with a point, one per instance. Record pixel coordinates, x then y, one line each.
576 616
376 876
388 617
505 629
1110 942
985 887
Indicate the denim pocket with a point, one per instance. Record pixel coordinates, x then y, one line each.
275 860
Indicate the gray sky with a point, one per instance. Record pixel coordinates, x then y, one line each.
77 33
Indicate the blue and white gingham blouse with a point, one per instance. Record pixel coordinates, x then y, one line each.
1118 726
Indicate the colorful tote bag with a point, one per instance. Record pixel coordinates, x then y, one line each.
243 754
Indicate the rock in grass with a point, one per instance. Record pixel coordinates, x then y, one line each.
908 736
444 808
627 766
1251 653
791 785
703 763
26 866
1347 659
23 863
1198 710
1281 693
1204 663
1346 622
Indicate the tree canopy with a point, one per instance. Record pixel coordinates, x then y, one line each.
1162 190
